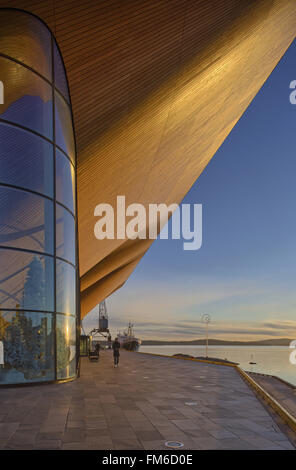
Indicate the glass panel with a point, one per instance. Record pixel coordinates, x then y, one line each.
66 346
65 288
84 345
27 98
65 181
25 160
26 220
26 347
26 280
64 127
59 74
25 38
65 234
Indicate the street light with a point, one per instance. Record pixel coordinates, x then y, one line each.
206 318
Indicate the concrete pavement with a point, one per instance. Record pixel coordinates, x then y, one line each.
143 403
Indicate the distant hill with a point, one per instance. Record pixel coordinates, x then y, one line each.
219 342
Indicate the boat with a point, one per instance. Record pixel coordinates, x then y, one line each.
252 362
128 340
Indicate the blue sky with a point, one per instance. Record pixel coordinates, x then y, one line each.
244 274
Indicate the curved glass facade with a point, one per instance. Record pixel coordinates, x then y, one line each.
38 250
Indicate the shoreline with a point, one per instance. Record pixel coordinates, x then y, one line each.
218 344
271 360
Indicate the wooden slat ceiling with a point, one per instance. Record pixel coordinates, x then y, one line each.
156 87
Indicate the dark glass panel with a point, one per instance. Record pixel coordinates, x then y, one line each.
27 343
25 38
65 181
25 160
26 220
65 234
26 280
27 98
65 288
64 127
84 346
66 346
59 73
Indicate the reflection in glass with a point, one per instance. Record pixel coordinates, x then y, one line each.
65 288
24 38
63 127
59 74
25 160
28 346
26 281
28 98
65 181
26 220
34 283
66 346
84 346
65 234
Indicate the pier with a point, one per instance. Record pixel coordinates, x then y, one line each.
145 402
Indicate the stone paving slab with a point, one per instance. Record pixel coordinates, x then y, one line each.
281 391
141 404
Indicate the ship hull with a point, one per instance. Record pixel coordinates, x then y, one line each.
132 345
128 340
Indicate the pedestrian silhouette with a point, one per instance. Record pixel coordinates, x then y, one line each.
116 347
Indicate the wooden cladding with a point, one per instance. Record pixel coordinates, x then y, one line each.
156 87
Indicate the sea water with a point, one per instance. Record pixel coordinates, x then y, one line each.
273 360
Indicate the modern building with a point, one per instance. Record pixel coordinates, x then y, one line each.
38 250
153 90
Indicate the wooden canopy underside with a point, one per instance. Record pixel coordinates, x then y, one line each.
156 87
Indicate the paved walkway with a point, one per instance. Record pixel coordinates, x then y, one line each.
282 392
140 405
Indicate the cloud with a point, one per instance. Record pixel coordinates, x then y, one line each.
244 331
240 310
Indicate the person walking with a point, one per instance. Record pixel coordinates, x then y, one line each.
116 347
97 348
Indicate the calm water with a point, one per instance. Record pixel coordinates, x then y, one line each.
272 360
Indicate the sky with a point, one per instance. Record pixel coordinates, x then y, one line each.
244 274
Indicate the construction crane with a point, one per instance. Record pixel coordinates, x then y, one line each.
86 341
103 318
103 329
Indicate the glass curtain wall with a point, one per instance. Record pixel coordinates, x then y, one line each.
38 249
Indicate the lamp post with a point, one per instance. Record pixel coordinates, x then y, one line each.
206 318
